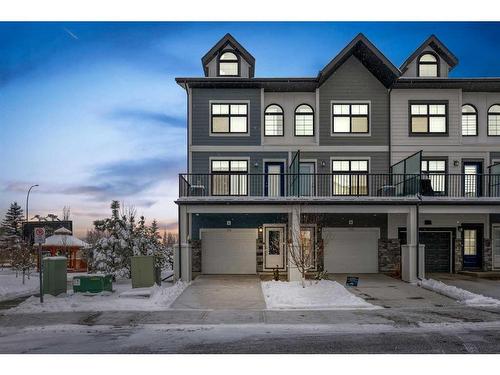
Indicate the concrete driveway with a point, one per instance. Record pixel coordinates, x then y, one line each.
385 291
486 287
222 292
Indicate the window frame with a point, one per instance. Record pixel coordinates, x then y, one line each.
350 104
440 173
295 114
488 120
212 115
351 173
428 103
437 63
229 173
237 61
469 114
282 114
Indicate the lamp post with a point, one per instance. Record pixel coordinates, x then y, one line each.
27 201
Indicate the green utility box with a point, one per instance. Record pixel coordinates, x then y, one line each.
55 275
93 283
143 271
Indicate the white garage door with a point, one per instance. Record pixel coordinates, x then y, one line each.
228 251
351 250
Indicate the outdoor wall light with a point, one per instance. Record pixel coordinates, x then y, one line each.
456 163
323 164
260 229
256 165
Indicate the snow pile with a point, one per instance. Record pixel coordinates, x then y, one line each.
12 287
322 295
461 295
160 298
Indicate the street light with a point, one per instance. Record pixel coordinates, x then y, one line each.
27 201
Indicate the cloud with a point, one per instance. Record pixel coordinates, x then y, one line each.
128 178
144 115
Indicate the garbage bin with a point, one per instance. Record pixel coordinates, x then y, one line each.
93 284
55 275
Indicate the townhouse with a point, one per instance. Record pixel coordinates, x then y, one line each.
365 167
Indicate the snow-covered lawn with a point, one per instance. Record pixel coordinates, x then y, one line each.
12 287
323 295
461 295
123 298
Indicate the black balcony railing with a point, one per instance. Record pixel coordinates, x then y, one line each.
338 185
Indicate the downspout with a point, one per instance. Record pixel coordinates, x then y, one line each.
179 239
418 235
390 126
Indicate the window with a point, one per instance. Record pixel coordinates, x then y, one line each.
229 118
228 64
469 120
304 120
494 120
273 121
229 177
350 118
436 170
350 177
428 118
470 241
428 65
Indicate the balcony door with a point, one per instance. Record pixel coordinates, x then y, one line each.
472 171
307 178
274 182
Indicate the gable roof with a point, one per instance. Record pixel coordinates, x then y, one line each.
221 44
370 57
437 46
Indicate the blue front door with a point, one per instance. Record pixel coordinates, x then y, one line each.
274 183
472 240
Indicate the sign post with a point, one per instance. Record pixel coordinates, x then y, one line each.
40 239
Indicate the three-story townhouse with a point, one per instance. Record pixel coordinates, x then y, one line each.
321 164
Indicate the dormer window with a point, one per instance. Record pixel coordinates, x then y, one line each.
228 64
428 65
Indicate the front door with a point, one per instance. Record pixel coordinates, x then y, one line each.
495 236
274 247
307 179
472 171
274 179
472 239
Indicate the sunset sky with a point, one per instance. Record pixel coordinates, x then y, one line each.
91 111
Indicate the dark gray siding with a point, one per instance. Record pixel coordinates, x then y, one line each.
201 116
352 81
494 156
201 160
342 221
379 161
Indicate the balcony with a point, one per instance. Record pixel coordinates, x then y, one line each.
339 186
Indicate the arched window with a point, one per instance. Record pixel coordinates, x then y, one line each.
428 65
228 64
273 121
304 120
469 120
494 120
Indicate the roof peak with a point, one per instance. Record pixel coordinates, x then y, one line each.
438 46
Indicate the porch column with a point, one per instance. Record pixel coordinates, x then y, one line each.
409 251
294 228
183 256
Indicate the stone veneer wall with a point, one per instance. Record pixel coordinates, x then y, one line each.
260 251
487 255
459 261
389 255
196 255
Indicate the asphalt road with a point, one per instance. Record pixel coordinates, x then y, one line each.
438 330
259 338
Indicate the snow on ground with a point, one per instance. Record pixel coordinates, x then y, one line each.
12 287
322 295
461 295
160 298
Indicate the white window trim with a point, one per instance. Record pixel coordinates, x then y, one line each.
285 247
369 102
332 158
285 166
224 158
210 102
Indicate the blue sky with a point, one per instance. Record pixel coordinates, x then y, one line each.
91 111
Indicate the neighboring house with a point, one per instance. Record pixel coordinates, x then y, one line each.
348 163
